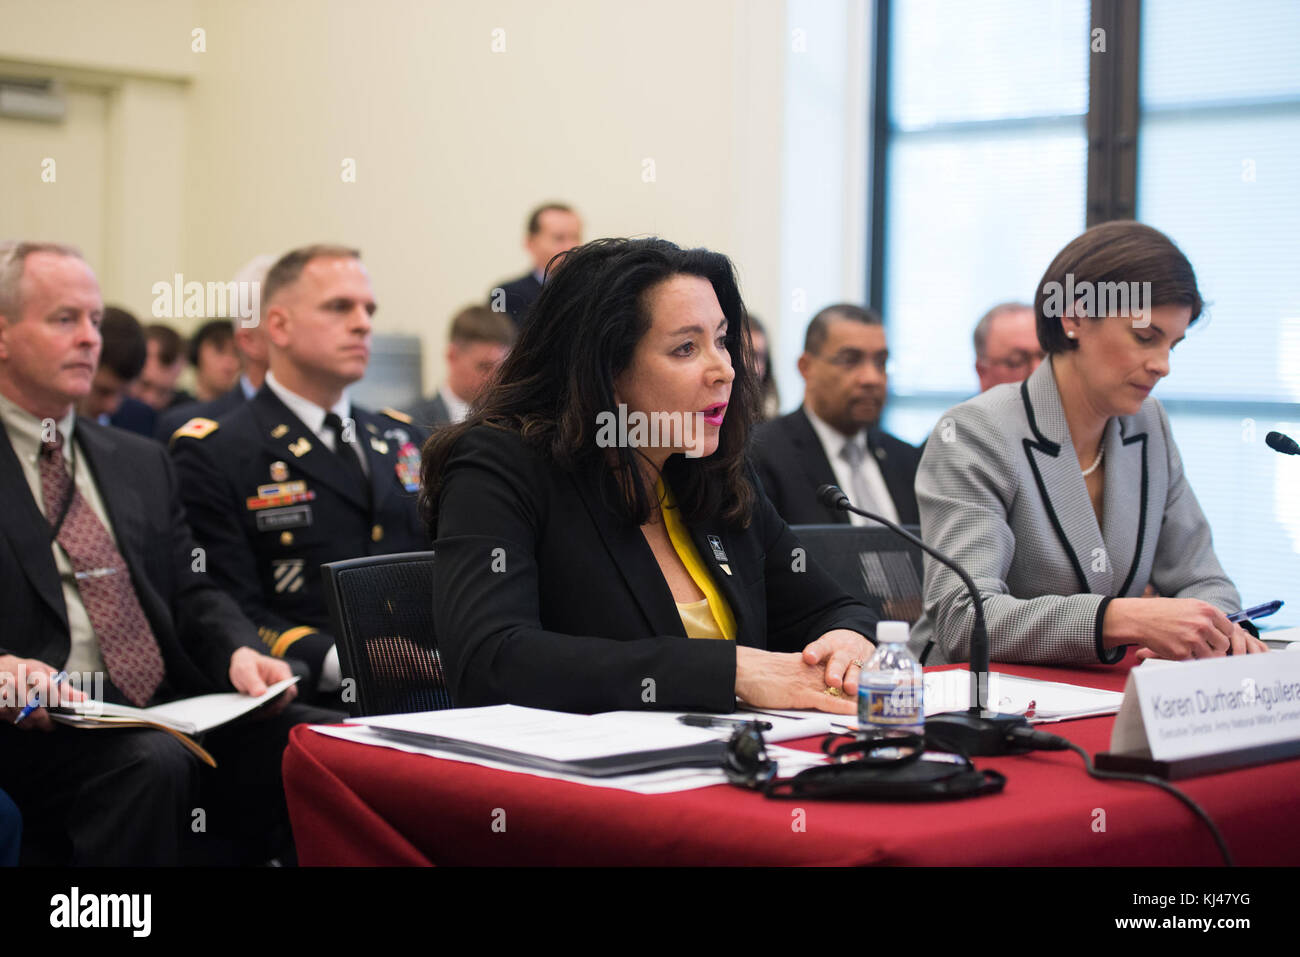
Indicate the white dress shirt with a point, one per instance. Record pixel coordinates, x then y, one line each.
457 408
313 416
833 442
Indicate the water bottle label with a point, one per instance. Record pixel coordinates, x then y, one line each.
900 704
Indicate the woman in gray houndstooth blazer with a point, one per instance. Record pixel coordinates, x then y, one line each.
1064 496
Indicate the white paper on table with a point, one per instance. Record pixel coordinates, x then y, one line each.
1012 694
1289 636
789 762
786 726
553 735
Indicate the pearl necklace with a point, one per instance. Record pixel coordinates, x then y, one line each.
1093 467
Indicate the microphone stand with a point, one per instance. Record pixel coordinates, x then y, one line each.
977 731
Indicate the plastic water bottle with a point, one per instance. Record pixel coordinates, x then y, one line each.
891 688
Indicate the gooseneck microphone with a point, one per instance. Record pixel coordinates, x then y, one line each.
1279 442
976 731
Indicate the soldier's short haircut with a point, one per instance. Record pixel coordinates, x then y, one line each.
289 267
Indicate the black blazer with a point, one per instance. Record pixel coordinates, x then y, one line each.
430 413
134 416
172 418
269 557
198 626
792 465
545 597
520 294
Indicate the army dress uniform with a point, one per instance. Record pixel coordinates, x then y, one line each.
271 502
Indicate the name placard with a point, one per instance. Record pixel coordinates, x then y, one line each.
1187 709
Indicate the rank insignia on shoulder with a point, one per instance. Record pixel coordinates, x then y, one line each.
394 414
197 428
408 467
279 431
300 448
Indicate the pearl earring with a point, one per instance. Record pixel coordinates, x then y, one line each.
1070 334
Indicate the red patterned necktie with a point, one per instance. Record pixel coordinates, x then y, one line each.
126 641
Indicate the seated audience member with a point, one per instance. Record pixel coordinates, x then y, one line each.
552 229
121 357
214 357
835 437
758 341
250 343
1006 345
479 341
1064 495
298 475
11 831
98 578
156 384
154 389
586 570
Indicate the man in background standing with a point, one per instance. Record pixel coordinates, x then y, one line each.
553 228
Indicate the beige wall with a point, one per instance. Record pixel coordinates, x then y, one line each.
453 142
651 120
214 156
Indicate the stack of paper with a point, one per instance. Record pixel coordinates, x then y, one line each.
605 750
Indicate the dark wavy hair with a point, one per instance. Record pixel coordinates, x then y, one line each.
1120 251
579 335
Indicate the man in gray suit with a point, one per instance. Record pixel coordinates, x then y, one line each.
478 343
1063 496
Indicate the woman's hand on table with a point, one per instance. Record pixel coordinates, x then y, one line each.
822 677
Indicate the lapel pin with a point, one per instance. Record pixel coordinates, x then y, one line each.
279 431
300 448
715 543
379 445
279 472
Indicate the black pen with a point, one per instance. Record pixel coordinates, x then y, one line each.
712 721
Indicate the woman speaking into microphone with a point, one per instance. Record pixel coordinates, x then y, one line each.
1064 496
600 540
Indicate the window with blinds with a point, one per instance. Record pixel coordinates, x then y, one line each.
1219 172
984 181
986 159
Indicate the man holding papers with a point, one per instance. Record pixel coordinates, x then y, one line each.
99 577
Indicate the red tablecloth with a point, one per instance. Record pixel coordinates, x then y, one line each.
352 804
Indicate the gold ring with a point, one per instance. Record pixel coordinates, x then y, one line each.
859 662
833 692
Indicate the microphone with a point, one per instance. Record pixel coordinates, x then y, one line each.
976 731
1282 443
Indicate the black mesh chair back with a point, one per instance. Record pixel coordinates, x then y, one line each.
871 563
382 610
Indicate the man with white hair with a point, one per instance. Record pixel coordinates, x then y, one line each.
99 579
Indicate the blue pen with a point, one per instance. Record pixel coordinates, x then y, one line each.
1259 611
36 699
